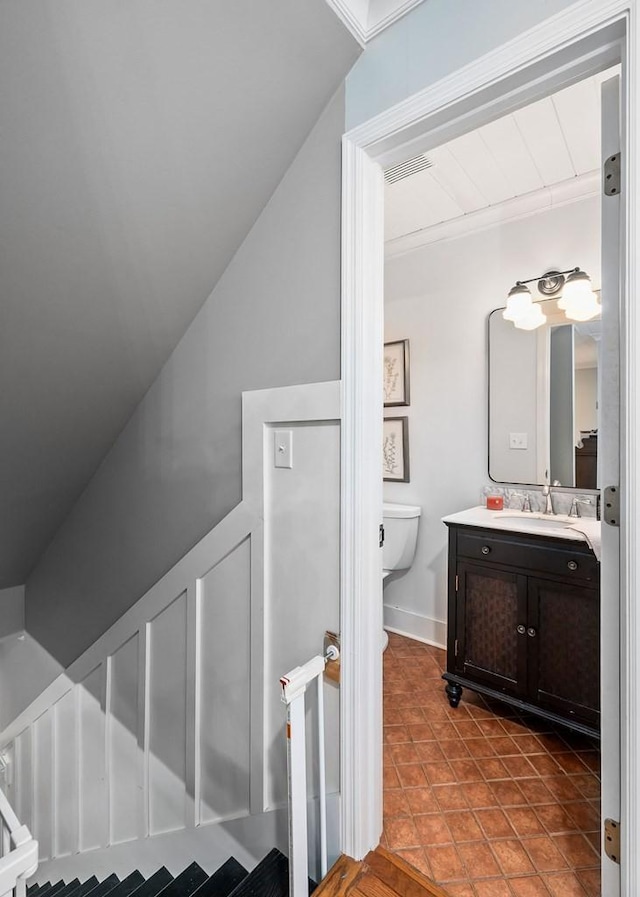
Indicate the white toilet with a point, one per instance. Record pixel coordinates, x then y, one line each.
400 536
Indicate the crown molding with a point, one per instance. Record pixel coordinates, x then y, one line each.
364 21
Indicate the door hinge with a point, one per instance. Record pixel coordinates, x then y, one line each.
457 580
611 512
455 648
381 536
611 175
612 839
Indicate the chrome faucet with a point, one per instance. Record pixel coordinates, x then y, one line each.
546 491
575 506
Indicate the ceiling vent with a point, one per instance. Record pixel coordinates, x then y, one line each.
407 168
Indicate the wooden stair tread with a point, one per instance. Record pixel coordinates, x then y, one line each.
380 874
400 876
339 879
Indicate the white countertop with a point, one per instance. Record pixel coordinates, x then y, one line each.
557 526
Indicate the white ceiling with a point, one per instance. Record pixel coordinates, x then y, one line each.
550 143
139 141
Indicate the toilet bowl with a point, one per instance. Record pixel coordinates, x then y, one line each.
400 539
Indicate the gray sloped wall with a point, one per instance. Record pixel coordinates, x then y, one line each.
273 319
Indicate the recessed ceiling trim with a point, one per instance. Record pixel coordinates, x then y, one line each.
364 19
557 195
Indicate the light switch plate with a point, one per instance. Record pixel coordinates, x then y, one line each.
518 440
283 448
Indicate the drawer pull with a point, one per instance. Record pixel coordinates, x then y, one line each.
485 549
521 629
531 632
572 565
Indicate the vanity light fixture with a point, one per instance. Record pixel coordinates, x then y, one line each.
577 299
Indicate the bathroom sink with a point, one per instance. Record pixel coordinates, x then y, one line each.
535 522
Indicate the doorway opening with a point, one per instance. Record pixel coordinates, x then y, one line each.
484 794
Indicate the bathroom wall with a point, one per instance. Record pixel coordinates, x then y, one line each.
439 296
430 42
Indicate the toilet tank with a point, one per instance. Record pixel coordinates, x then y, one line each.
400 535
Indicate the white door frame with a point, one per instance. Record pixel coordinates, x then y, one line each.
549 55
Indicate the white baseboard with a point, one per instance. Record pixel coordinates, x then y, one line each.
416 626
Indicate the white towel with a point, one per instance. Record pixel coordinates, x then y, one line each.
590 529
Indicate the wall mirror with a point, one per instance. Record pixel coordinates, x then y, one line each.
543 400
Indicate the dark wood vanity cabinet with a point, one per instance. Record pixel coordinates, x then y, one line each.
524 623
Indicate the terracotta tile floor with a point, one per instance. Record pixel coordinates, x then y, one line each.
484 801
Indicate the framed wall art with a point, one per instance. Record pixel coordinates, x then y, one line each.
395 449
396 373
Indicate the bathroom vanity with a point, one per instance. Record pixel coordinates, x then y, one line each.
524 615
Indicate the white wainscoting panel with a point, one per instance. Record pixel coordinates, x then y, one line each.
43 781
172 720
225 721
23 778
125 758
167 684
92 763
66 774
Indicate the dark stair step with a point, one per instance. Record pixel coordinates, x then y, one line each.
31 890
53 890
83 889
68 889
152 886
270 878
186 883
128 885
37 889
102 889
223 881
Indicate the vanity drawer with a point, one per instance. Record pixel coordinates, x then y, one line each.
528 554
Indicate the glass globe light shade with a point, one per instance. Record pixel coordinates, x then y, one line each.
584 309
519 303
576 289
533 319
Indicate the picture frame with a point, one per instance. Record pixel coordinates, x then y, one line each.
396 373
395 449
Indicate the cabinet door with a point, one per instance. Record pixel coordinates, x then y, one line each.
564 649
491 605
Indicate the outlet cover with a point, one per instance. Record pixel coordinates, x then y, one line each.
518 440
283 448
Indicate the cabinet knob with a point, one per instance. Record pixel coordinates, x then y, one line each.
531 632
521 629
572 565
485 549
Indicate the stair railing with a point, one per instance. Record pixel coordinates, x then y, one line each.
19 852
294 686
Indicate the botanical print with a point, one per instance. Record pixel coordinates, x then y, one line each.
395 449
390 464
391 375
396 373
